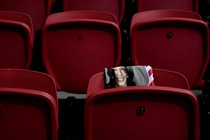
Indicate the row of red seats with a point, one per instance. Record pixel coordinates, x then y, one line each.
40 9
78 44
29 108
71 70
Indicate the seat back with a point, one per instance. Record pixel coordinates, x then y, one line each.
140 112
189 5
78 44
162 77
173 40
16 39
37 9
28 105
27 114
168 78
115 7
27 79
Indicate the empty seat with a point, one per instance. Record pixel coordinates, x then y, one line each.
28 79
27 114
140 112
37 9
115 7
171 39
28 108
189 5
78 44
16 40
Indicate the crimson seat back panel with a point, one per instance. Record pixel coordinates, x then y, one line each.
29 80
76 48
16 39
175 43
27 114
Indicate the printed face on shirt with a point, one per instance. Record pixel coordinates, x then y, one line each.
120 76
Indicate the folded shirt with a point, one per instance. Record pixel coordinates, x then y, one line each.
123 76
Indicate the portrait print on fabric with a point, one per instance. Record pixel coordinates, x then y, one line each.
123 76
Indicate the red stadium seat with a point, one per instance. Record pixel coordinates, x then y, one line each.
116 7
173 40
27 79
27 114
37 9
141 112
145 5
78 44
16 40
28 109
